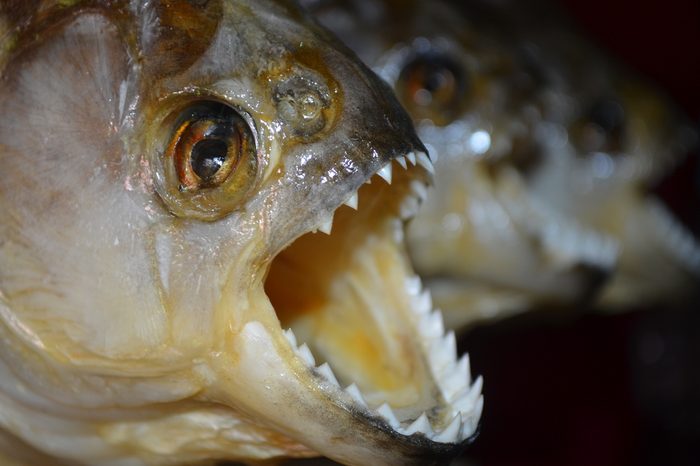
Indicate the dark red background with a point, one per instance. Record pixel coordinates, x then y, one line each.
589 389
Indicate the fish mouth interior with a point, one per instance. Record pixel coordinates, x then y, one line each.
359 319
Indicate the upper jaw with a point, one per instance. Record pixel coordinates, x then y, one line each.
299 394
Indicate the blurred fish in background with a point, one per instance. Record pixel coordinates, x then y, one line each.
565 180
547 152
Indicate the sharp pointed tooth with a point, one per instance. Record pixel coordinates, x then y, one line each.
463 367
425 162
420 190
450 344
423 303
386 412
402 161
352 201
411 157
385 172
291 338
443 351
455 379
327 372
326 226
306 355
472 421
413 285
422 425
476 388
356 395
451 432
466 402
431 325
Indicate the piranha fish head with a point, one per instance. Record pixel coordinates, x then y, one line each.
181 182
636 149
547 151
484 102
622 168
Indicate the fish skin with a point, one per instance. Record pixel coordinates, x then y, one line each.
135 328
501 231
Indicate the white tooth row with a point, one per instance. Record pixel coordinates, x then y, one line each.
678 238
414 158
466 401
575 243
453 375
410 206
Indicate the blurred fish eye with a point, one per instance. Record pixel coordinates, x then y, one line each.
209 162
602 128
433 86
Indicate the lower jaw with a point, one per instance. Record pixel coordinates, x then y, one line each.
351 297
360 324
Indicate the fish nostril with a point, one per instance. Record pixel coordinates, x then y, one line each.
302 104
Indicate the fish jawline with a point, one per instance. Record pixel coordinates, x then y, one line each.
365 359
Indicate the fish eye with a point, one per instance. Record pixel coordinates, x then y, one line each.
207 147
433 86
209 162
602 128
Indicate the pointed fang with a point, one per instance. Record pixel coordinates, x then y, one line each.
306 355
421 425
326 226
385 172
425 162
356 395
413 285
386 412
352 201
451 432
326 371
291 338
411 157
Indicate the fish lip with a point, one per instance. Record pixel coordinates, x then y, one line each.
454 431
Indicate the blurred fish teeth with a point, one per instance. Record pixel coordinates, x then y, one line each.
424 161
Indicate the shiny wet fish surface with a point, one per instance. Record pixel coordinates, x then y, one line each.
201 245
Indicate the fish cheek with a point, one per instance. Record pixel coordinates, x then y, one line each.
74 265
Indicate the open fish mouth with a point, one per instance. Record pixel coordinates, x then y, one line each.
362 329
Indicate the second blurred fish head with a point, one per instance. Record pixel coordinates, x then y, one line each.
482 102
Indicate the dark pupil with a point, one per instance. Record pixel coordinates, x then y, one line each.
434 80
208 156
437 78
608 115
